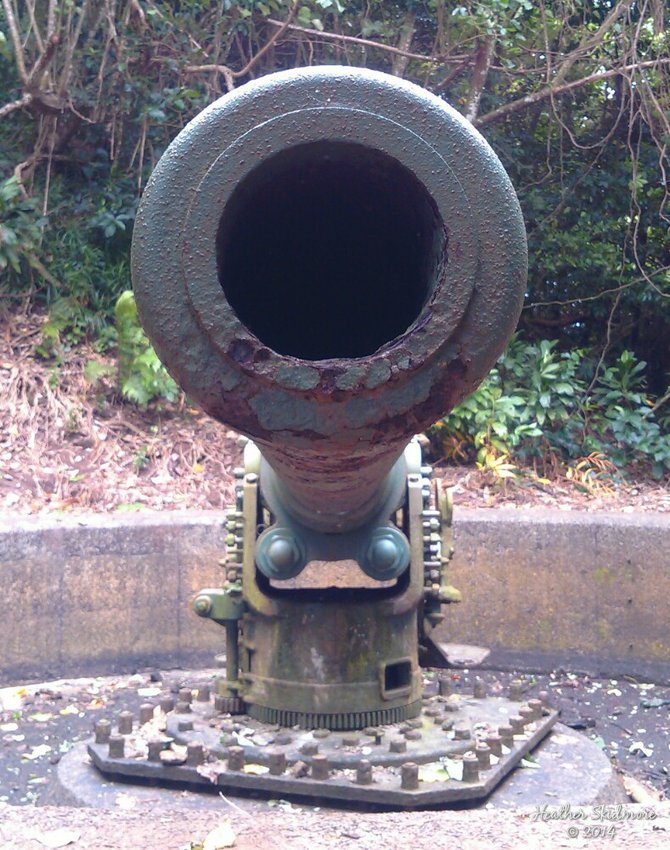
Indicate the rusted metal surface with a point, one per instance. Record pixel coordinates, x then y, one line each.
456 750
328 260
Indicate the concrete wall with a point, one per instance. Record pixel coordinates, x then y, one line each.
560 583
96 593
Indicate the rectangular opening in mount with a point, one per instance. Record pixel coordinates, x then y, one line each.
397 677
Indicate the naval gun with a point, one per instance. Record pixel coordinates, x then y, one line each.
328 260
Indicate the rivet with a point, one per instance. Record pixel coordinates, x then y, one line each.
185 726
117 744
415 723
125 722
203 694
479 689
516 690
103 729
146 713
283 738
470 768
462 732
167 705
350 740
321 733
364 772
483 753
527 713
412 735
432 712
495 744
309 748
276 762
320 767
185 695
517 723
398 745
236 758
195 753
444 685
506 735
155 748
409 776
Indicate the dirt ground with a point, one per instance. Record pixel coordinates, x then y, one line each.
67 445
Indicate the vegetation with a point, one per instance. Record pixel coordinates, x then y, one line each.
574 96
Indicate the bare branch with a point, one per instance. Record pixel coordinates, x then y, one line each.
26 100
19 55
483 57
553 90
268 44
400 62
351 39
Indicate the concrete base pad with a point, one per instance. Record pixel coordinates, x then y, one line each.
572 770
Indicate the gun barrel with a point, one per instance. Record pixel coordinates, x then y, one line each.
328 260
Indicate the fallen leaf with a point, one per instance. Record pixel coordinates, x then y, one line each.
37 752
220 837
148 692
56 837
654 703
40 717
256 769
70 709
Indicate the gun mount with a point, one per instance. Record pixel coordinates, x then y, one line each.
328 260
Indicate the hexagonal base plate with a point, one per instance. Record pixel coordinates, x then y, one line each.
449 728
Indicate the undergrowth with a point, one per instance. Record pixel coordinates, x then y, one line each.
543 409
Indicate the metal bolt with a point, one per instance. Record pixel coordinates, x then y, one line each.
462 732
167 704
483 753
103 729
506 735
276 762
155 748
535 706
309 748
203 694
125 722
182 707
350 740
495 744
236 758
479 690
516 690
409 776
321 733
117 744
470 768
432 712
412 735
544 697
146 713
202 605
379 735
415 723
283 738
228 740
195 753
517 723
398 745
185 695
527 713
447 725
320 767
185 726
364 772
